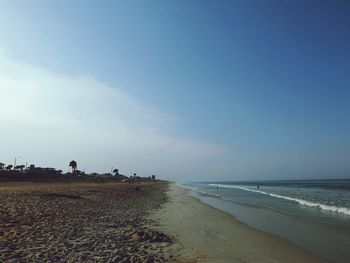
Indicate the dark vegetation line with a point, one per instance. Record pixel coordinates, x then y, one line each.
31 172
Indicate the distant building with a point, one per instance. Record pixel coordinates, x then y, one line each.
43 170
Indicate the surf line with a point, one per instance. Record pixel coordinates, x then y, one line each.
339 210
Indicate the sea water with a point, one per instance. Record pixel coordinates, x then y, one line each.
314 215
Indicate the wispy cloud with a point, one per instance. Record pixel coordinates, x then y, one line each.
50 118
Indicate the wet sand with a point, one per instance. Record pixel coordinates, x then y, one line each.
204 234
81 222
115 222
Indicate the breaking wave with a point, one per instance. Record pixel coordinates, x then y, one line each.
330 208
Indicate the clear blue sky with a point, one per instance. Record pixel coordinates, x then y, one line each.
266 82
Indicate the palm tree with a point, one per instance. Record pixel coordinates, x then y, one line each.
73 164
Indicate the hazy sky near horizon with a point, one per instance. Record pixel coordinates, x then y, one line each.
186 90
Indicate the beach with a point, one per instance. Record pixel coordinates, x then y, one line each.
81 222
204 234
124 222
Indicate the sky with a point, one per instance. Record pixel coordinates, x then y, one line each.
185 90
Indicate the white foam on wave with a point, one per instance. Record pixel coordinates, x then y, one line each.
187 187
195 189
330 208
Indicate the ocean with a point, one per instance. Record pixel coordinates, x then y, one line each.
312 214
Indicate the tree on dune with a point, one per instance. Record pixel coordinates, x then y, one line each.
116 172
73 164
9 167
2 166
19 167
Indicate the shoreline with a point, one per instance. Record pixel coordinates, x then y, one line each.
205 234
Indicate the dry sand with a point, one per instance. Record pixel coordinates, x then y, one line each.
80 222
114 222
204 234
